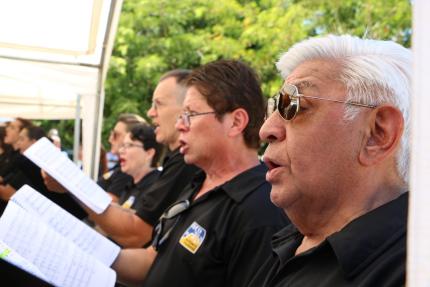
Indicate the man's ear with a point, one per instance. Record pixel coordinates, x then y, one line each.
385 129
238 122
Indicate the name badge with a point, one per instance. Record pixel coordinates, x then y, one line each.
193 237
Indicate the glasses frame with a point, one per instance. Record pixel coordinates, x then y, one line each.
186 116
158 238
289 112
127 146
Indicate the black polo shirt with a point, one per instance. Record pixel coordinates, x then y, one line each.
114 181
8 161
176 174
229 229
369 251
6 158
133 193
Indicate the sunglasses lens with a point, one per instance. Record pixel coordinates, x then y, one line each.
291 110
286 107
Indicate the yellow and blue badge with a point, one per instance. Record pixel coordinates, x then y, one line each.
193 237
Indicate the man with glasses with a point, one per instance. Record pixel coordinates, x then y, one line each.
338 163
219 230
135 229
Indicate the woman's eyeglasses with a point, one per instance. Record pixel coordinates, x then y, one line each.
287 102
160 233
130 145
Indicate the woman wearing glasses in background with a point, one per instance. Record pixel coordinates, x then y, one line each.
138 156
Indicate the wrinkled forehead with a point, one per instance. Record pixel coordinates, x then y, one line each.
315 74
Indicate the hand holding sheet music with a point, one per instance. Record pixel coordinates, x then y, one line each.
49 158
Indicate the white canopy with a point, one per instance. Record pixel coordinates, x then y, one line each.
54 57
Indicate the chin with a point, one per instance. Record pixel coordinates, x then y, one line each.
278 196
189 159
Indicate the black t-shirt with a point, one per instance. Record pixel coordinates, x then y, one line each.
221 239
114 181
369 251
133 193
176 174
7 161
23 171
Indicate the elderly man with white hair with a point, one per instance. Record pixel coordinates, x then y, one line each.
338 163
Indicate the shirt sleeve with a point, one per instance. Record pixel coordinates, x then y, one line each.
16 179
116 183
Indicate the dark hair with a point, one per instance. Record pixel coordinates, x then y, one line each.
4 146
2 135
130 120
228 85
35 132
145 134
24 123
180 75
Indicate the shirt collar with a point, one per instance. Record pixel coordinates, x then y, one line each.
170 154
286 242
238 187
366 237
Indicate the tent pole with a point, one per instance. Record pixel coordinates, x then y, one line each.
77 132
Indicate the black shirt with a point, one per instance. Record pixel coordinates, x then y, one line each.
6 157
229 229
114 181
369 251
24 171
133 193
7 161
176 174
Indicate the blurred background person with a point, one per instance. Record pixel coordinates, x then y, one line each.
5 150
54 136
138 156
24 171
11 159
114 180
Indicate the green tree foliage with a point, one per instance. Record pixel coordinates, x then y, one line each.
155 36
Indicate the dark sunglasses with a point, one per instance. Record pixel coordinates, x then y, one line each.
160 235
287 102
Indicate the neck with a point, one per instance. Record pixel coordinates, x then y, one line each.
174 145
320 220
15 146
226 166
138 175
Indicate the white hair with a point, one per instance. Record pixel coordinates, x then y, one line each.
373 72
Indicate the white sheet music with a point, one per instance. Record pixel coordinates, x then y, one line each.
83 236
10 255
58 259
48 157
